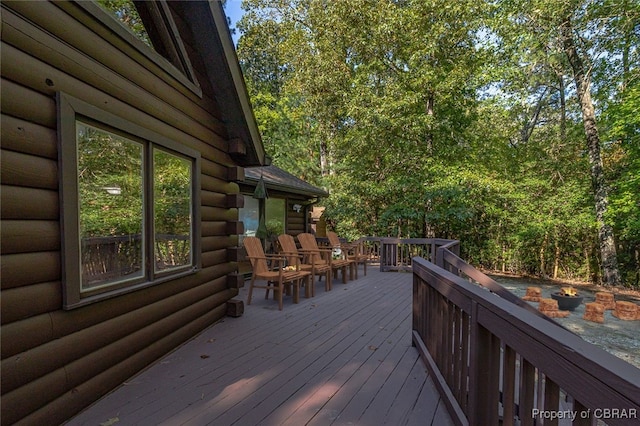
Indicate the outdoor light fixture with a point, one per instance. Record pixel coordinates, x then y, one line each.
297 208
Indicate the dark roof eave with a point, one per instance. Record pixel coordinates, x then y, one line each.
213 40
290 189
281 180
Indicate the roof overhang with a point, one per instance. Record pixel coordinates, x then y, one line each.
280 180
213 40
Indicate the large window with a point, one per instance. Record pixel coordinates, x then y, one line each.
129 198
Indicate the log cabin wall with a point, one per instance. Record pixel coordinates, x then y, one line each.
56 362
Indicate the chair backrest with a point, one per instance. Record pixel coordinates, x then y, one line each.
308 242
254 249
334 241
288 245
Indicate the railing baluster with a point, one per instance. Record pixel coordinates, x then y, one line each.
551 399
527 392
508 386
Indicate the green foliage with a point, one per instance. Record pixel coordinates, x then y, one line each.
453 119
125 12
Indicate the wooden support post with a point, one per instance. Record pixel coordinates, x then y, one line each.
235 308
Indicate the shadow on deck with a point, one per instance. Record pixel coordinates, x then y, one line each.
341 358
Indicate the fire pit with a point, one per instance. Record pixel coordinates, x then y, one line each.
568 298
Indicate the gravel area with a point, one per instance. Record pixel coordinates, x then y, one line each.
618 337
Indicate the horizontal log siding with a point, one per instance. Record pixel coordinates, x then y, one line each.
27 137
55 362
13 267
17 202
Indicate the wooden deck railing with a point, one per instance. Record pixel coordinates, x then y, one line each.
495 362
396 254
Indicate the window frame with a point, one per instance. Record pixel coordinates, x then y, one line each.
177 64
70 111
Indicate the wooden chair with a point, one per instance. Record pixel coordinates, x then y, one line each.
310 247
354 251
290 250
276 277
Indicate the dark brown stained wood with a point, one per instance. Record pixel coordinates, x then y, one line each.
347 359
28 170
28 203
81 62
215 229
582 421
214 169
527 392
237 147
24 302
493 385
29 138
209 183
213 199
93 17
217 243
196 60
235 308
214 257
19 403
82 394
56 362
509 387
24 71
18 101
235 201
540 347
102 383
565 365
218 213
551 399
203 79
24 236
295 219
235 174
29 366
234 254
24 335
18 269
235 227
235 280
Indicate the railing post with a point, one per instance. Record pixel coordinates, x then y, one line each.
480 372
440 257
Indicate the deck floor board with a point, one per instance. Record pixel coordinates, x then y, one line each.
343 357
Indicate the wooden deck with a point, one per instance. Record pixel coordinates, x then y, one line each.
341 358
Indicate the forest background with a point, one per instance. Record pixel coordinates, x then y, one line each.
461 119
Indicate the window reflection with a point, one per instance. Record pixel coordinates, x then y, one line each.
110 184
172 210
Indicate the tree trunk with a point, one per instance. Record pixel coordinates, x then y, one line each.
556 259
543 259
429 110
563 111
611 275
324 158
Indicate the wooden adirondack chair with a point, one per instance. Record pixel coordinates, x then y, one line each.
354 251
276 276
310 247
290 250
